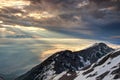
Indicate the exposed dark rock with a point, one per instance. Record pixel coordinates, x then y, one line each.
102 61
102 75
114 67
115 54
71 76
91 75
108 62
68 61
87 67
116 72
88 71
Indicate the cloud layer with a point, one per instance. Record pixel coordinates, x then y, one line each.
77 18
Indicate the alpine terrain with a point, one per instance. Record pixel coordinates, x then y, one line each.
98 62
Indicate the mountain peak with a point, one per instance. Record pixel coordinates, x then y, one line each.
65 52
100 44
66 61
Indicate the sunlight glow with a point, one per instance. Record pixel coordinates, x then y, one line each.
40 15
1 22
13 3
2 29
29 28
75 45
18 14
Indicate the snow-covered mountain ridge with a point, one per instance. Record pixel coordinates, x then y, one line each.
68 65
106 68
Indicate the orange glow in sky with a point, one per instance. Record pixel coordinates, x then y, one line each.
40 15
13 3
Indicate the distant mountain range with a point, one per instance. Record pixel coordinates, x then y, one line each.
94 63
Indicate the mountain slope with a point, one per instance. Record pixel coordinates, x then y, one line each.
107 68
1 78
66 62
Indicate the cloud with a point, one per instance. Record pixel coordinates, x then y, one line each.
66 12
115 37
77 18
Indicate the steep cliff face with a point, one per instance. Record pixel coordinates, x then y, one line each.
66 62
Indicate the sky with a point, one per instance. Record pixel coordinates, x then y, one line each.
32 30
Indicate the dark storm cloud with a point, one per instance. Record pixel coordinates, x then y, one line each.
109 2
76 12
10 10
73 4
115 37
92 10
78 18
